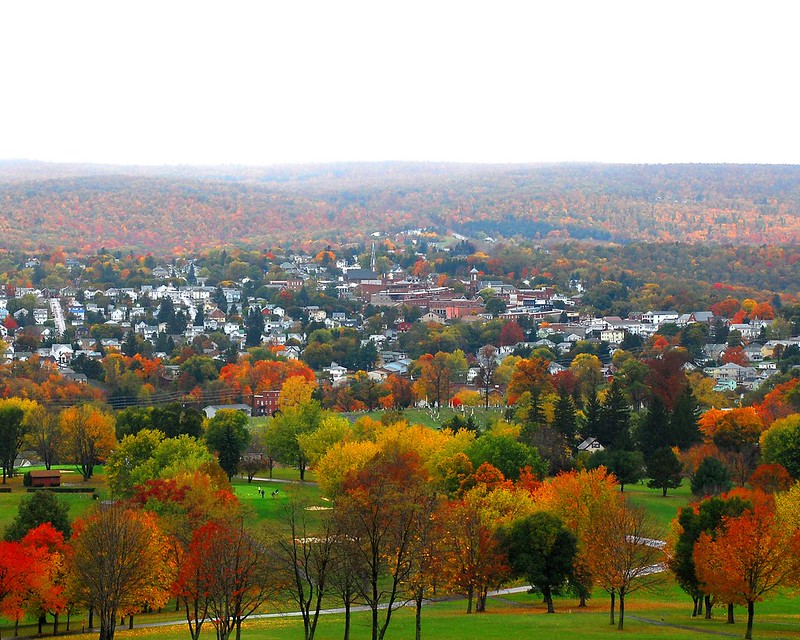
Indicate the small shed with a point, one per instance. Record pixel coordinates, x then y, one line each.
50 478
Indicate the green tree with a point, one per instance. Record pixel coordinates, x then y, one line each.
664 470
613 428
285 429
38 508
627 466
228 436
12 432
711 478
541 550
506 454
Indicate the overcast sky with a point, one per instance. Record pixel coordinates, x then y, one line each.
172 82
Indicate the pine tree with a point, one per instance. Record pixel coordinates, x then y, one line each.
685 414
564 421
654 432
614 419
591 424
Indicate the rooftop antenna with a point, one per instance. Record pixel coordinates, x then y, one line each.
372 261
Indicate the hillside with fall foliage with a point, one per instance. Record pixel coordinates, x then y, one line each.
182 209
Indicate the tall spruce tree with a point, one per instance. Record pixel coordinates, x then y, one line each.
614 419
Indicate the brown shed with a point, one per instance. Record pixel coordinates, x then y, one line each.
50 478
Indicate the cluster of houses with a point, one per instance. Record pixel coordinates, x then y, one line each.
556 313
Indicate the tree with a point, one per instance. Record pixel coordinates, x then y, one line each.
542 550
379 512
564 418
690 523
613 418
305 562
664 470
752 555
39 508
254 327
487 363
232 572
471 559
287 426
625 554
118 563
684 428
88 436
578 498
227 435
44 434
654 431
711 478
529 375
781 444
627 466
506 454
12 432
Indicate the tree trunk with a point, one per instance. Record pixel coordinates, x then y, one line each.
347 619
480 605
42 620
418 621
613 595
748 634
55 624
697 607
548 596
470 594
707 601
91 617
730 614
665 492
130 622
621 610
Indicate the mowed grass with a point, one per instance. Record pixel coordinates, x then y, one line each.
78 503
662 509
664 613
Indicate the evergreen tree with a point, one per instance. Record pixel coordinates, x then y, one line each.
254 328
220 300
191 277
614 419
564 421
161 342
654 432
664 470
591 424
199 317
130 346
166 311
684 420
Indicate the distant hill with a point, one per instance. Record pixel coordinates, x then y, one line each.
166 209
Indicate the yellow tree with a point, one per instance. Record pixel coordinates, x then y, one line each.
118 563
296 391
88 436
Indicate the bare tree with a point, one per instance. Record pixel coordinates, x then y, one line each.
487 362
305 562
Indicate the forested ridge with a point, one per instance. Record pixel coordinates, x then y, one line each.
179 209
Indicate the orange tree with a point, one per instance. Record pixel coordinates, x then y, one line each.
118 563
751 556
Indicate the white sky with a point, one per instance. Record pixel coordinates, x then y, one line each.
173 82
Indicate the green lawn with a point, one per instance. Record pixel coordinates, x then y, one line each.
663 509
523 616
